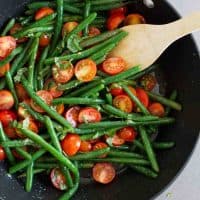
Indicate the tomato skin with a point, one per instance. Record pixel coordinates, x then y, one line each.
60 109
2 154
115 20
85 70
72 114
100 145
21 92
17 27
114 65
71 144
128 134
4 69
6 100
157 109
63 73
93 31
134 19
43 12
122 10
44 40
142 96
68 27
103 173
10 132
89 115
117 141
148 81
7 45
116 91
124 103
7 116
85 146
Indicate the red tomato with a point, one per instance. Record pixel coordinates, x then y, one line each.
157 109
85 70
6 100
68 27
51 86
114 65
142 96
2 154
93 31
4 69
115 20
10 132
134 19
17 27
58 179
128 134
45 96
148 81
71 144
85 146
71 115
21 92
7 45
63 72
121 10
60 109
115 89
43 12
7 116
103 173
88 115
100 145
44 40
116 140
124 103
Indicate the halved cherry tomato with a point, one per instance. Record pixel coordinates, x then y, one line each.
17 27
7 116
10 132
68 27
115 20
88 115
157 109
116 89
85 146
148 81
85 70
116 140
100 145
124 103
7 45
134 19
103 173
63 72
4 69
44 40
60 108
21 112
71 144
114 65
71 115
43 12
6 100
2 154
128 134
58 179
122 10
45 96
93 31
142 96
51 86
21 92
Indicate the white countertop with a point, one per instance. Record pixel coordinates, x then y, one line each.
187 184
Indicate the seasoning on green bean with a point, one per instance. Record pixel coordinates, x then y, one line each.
18 143
70 85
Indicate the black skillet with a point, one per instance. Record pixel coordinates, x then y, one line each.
180 69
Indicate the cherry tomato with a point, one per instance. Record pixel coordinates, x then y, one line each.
116 140
103 173
63 72
148 81
44 40
6 100
22 112
71 144
121 10
85 146
21 92
98 146
128 134
45 96
58 179
2 154
115 20
134 19
114 65
60 108
68 27
116 89
43 12
17 27
10 132
157 109
88 115
51 86
124 103
93 31
7 116
7 45
71 115
142 96
4 69
85 70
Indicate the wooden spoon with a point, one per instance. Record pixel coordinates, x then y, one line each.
145 43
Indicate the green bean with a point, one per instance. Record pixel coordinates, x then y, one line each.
85 165
26 20
7 28
2 83
29 177
163 145
172 97
3 138
12 88
143 170
68 177
109 98
17 143
46 165
86 14
123 154
23 153
9 58
165 101
104 2
35 171
73 18
102 74
149 150
70 85
70 192
80 101
94 90
42 104
139 145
